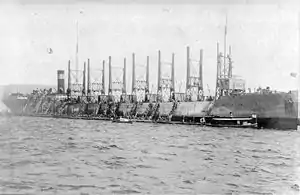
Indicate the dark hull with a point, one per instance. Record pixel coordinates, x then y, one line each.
278 123
274 111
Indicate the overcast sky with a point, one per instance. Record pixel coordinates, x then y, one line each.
264 40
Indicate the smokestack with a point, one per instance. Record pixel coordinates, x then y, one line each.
61 81
103 77
159 71
147 75
124 77
109 76
88 78
69 75
83 83
173 72
133 73
187 69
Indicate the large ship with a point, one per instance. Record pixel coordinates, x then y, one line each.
86 97
274 110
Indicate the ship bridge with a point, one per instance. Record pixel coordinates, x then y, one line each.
234 85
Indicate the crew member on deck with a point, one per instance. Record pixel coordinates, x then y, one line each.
231 115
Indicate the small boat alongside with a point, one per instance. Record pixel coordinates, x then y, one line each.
234 122
122 120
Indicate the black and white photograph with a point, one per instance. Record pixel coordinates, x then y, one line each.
149 97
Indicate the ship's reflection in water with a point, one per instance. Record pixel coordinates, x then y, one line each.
52 156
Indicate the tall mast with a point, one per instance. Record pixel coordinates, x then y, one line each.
133 75
218 71
103 77
225 36
124 77
76 54
159 73
229 63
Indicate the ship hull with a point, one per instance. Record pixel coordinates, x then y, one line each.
278 123
14 104
274 111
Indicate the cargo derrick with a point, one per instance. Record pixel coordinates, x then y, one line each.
140 90
95 82
95 89
192 107
77 90
76 82
165 91
102 98
116 88
75 102
194 83
226 85
166 83
140 84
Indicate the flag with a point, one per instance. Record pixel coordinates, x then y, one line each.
293 74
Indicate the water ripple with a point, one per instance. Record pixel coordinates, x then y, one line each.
56 156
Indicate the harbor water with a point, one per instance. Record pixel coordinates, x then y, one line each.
62 156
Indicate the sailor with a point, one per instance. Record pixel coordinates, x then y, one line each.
231 115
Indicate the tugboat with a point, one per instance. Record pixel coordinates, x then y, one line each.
234 122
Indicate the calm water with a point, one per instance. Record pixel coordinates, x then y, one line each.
51 156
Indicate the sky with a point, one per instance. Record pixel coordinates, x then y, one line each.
264 40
